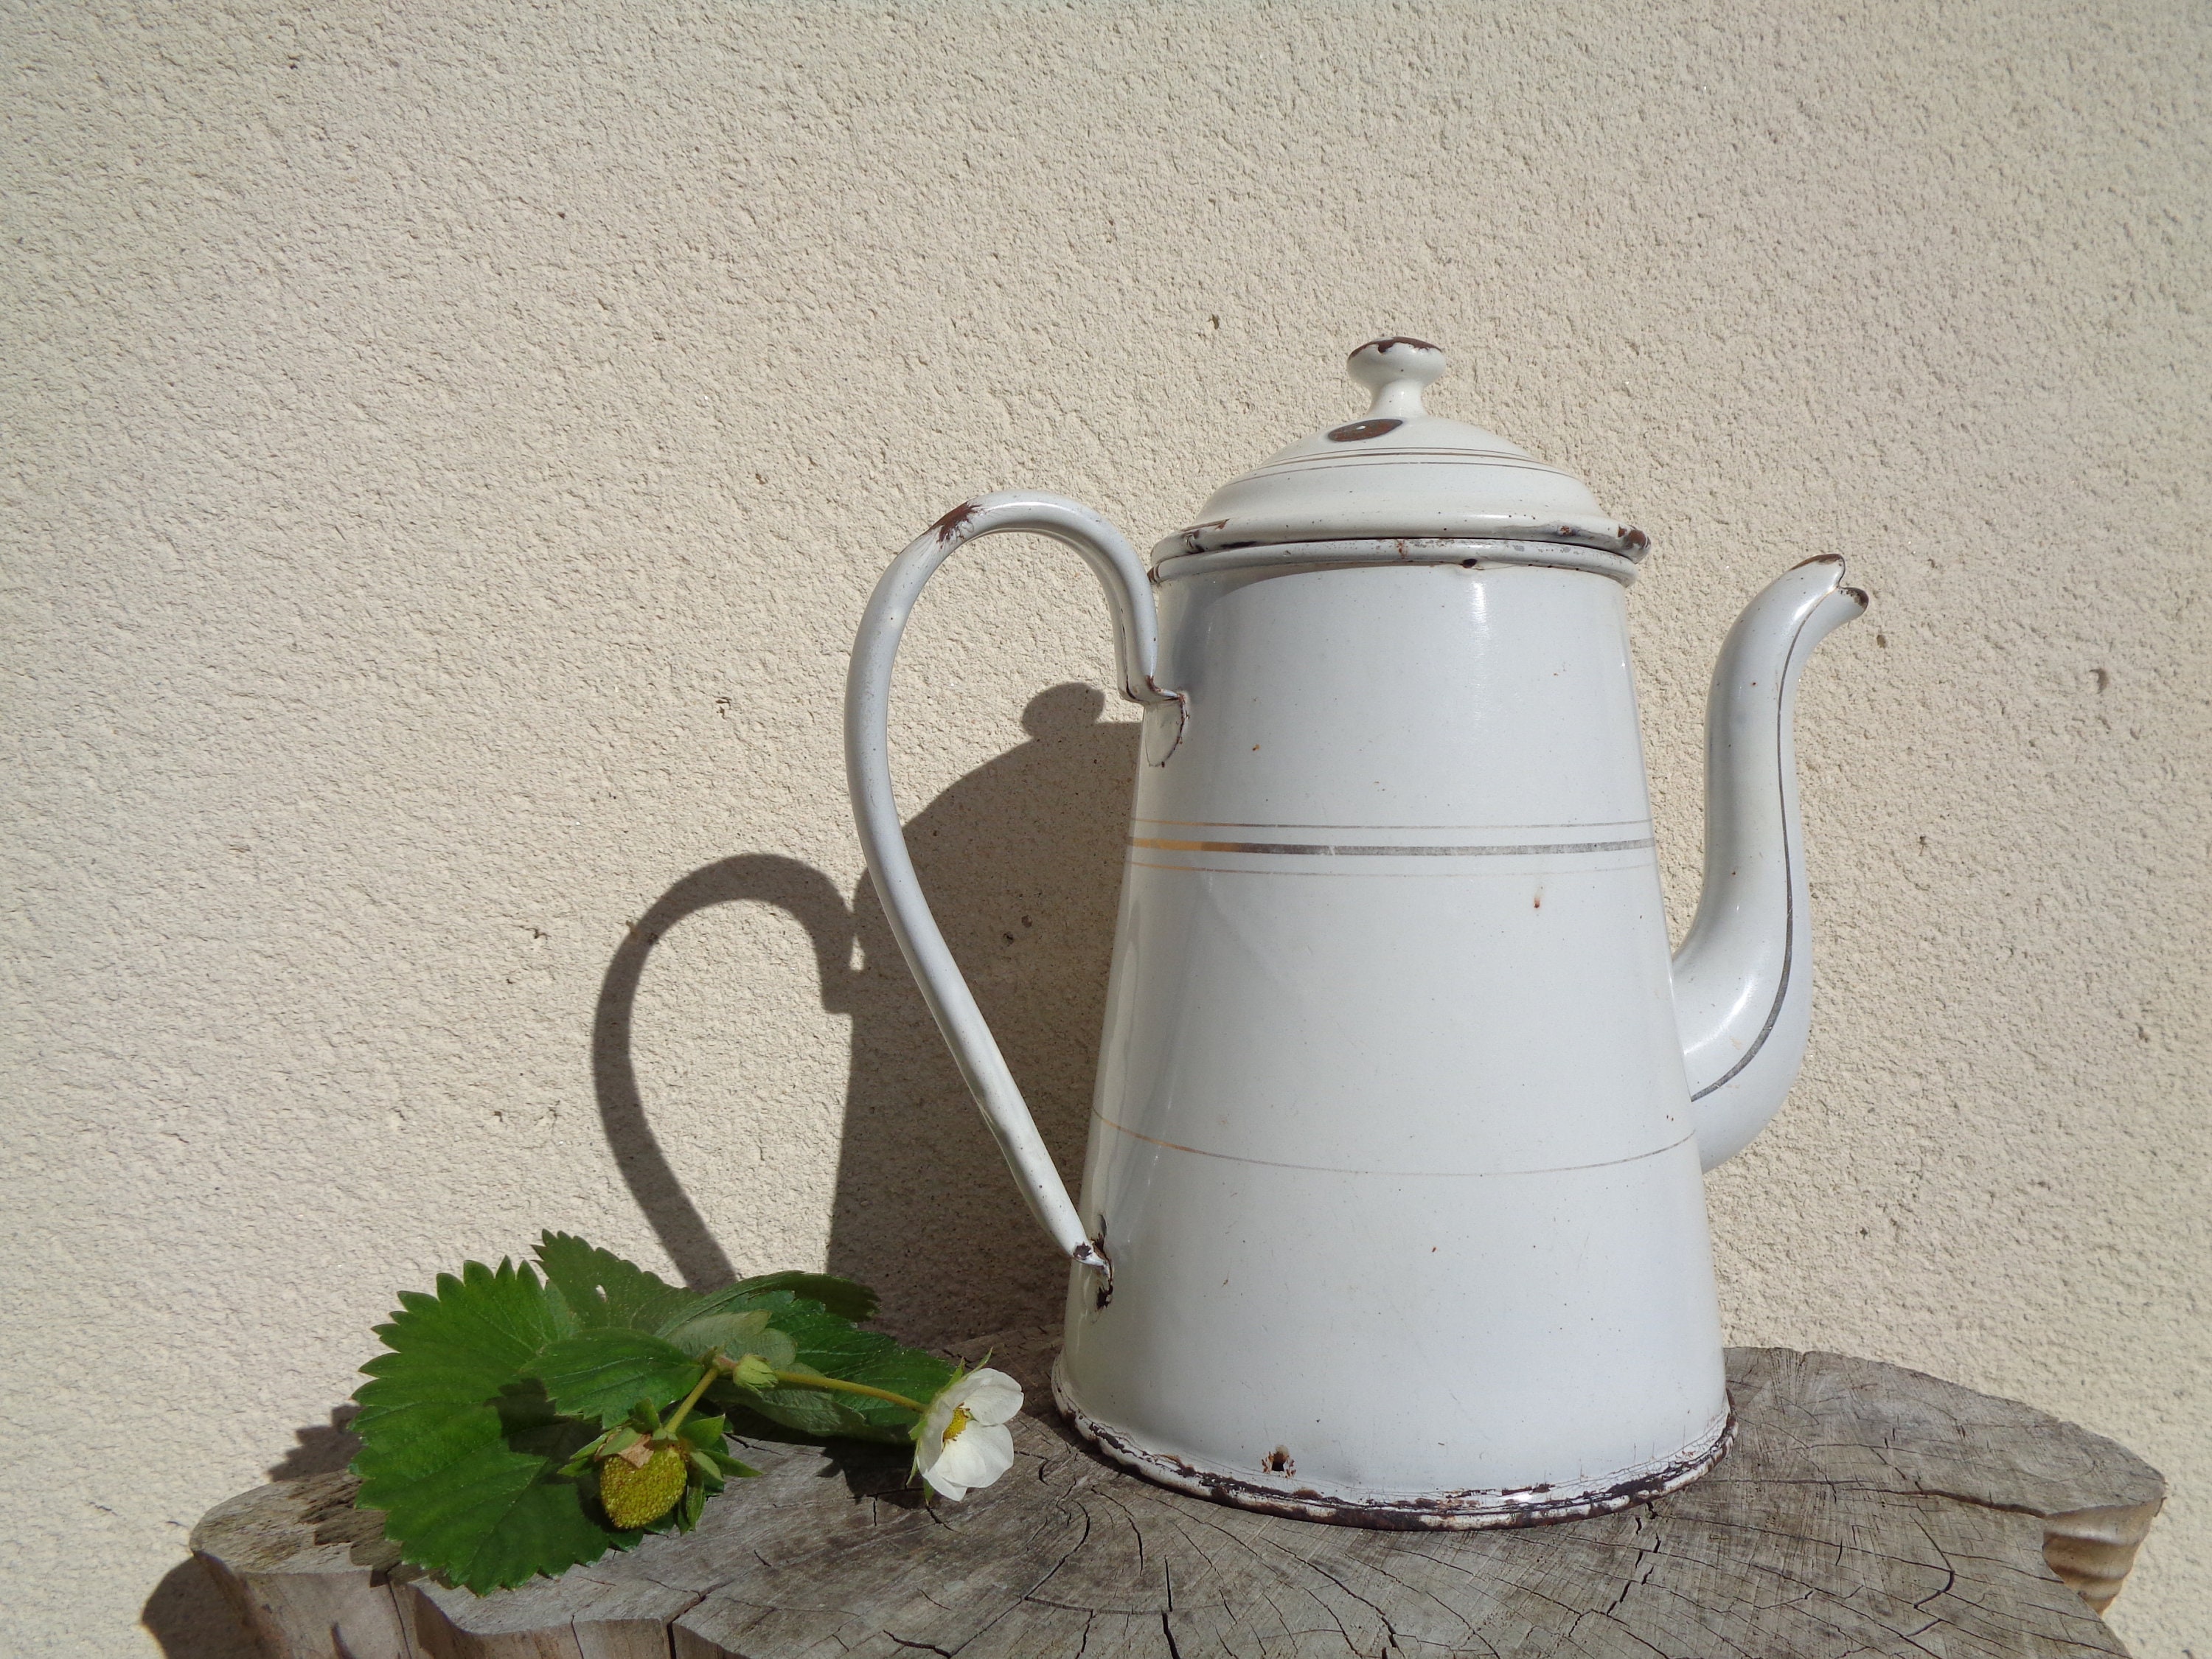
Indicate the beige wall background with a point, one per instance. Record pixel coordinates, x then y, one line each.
448 448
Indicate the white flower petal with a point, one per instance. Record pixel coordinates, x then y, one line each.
977 1456
980 1449
929 1444
991 1397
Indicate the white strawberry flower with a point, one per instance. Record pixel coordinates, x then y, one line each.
962 1442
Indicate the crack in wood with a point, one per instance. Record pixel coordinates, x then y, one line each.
1864 1510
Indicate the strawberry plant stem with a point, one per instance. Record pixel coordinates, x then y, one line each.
802 1380
690 1400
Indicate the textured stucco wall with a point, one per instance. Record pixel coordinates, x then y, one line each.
448 448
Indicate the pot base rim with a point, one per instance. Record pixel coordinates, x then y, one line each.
1467 1509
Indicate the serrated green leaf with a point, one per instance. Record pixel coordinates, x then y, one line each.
461 1455
843 1296
412 1442
492 1521
503 1514
910 1372
462 1345
736 1324
735 1334
833 1346
827 1416
479 1426
605 1290
603 1375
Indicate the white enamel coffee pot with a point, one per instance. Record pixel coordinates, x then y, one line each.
1392 1212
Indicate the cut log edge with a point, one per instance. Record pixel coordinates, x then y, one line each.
310 1576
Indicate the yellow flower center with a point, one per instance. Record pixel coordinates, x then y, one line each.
960 1420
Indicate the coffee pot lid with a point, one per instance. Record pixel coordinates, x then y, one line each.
1400 472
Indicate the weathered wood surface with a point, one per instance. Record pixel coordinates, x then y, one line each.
1863 1510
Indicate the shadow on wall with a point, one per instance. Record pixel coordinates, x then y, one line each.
1022 862
187 1616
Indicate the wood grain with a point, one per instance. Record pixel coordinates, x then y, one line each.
1863 1510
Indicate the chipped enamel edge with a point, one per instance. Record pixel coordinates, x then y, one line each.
1470 551
1464 1511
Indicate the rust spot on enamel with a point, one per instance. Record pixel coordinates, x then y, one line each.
1190 534
1355 430
955 521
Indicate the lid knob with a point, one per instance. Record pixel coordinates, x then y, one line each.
1396 370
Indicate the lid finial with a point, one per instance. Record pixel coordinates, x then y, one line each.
1402 474
1396 370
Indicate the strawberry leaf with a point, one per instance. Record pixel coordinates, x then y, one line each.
604 1375
462 1453
735 1334
825 1343
604 1290
462 1345
811 1412
841 1297
483 1424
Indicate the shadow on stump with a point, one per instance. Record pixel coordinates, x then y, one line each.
188 1619
1022 862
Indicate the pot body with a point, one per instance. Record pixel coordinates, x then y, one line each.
1391 1146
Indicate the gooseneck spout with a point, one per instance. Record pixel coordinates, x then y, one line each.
1743 979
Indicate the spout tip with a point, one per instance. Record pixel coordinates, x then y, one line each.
1091 1254
1857 596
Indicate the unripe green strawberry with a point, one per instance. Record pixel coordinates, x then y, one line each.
641 1496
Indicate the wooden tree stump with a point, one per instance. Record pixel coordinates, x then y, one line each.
1863 1510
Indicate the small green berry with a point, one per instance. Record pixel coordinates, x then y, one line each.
638 1497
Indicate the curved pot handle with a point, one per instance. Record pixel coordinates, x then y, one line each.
867 766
